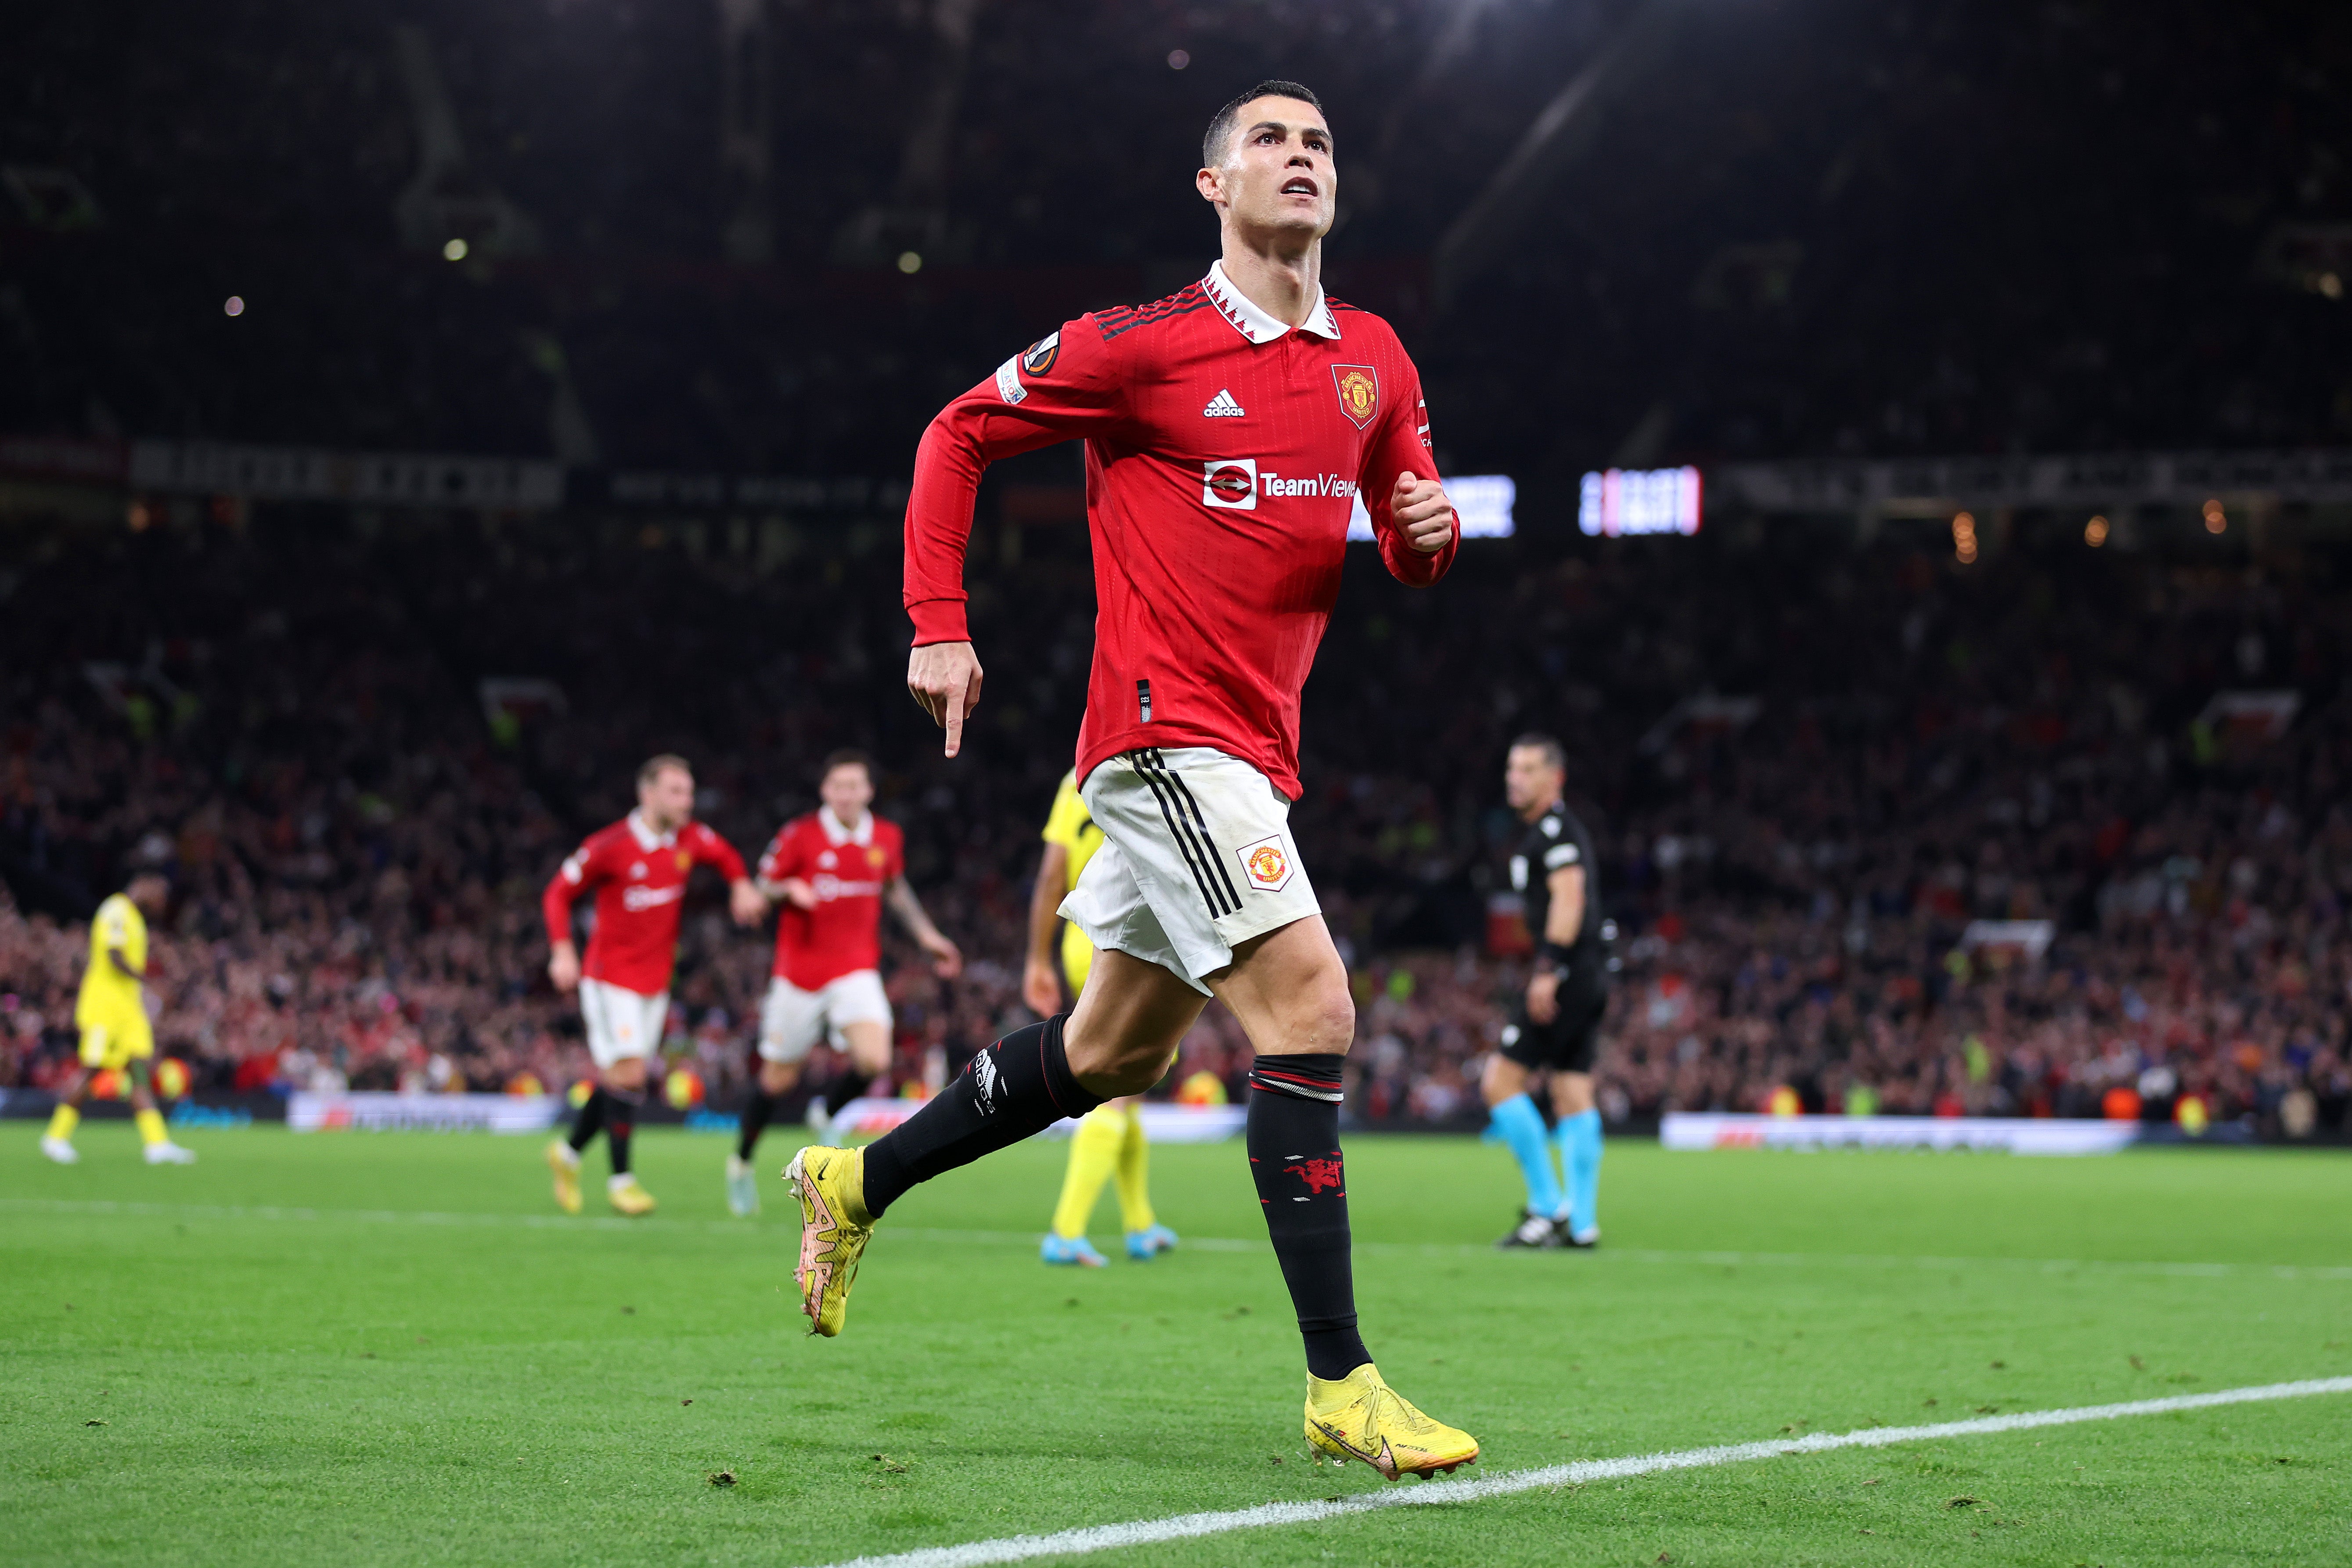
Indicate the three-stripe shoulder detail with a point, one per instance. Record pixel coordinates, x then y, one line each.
1127 318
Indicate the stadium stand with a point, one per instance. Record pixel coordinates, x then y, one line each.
359 840
292 695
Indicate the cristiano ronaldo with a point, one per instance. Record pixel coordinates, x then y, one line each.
1231 429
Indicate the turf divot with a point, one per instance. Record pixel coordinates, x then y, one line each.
1189 1526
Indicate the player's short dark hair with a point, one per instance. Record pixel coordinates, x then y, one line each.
1212 145
847 757
651 768
1537 740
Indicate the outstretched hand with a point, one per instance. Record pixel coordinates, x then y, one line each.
944 679
1422 513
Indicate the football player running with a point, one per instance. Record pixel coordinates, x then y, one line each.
1228 430
833 871
1109 1141
637 869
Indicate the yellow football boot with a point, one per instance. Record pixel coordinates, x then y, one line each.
566 1167
834 1229
1360 1418
629 1199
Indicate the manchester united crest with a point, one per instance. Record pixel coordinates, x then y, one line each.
684 859
1359 392
1266 863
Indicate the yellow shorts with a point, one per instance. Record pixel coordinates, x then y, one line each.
1077 958
117 1043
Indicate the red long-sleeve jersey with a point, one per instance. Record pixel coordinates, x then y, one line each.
849 872
1223 451
640 878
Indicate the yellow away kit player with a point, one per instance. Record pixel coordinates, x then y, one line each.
111 1014
1109 1140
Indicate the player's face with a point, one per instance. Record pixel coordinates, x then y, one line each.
1277 173
667 799
1530 781
848 791
149 893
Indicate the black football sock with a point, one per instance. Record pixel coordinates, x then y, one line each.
620 1121
757 1108
1294 1154
792 1105
850 1083
590 1120
838 1089
1019 1085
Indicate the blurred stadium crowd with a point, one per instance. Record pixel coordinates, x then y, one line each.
359 839
1838 229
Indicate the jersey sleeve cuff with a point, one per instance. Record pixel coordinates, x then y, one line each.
938 620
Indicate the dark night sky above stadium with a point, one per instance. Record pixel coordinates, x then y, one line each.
1793 228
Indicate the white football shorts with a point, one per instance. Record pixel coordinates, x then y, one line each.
1196 860
621 1024
793 1020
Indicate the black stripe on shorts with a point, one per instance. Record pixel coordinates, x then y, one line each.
1232 894
1199 855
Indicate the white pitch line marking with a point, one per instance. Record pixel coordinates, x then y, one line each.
1196 1244
1188 1526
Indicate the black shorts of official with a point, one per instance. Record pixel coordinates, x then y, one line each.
1570 1041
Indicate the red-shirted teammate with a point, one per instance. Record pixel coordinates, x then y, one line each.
639 868
1228 428
832 871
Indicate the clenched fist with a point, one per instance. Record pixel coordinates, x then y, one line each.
1422 513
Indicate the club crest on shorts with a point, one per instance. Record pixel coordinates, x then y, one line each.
1266 863
1359 392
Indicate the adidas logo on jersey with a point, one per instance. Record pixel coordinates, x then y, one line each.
1222 406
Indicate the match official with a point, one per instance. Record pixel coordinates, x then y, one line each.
1556 1024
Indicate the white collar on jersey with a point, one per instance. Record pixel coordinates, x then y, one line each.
1256 324
836 834
647 839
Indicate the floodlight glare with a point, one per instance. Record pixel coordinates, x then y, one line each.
1640 500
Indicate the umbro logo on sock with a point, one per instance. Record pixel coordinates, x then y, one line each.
1222 406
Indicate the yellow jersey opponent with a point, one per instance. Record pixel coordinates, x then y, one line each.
111 1011
1072 827
1109 1141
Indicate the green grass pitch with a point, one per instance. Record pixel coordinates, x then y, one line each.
413 1359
